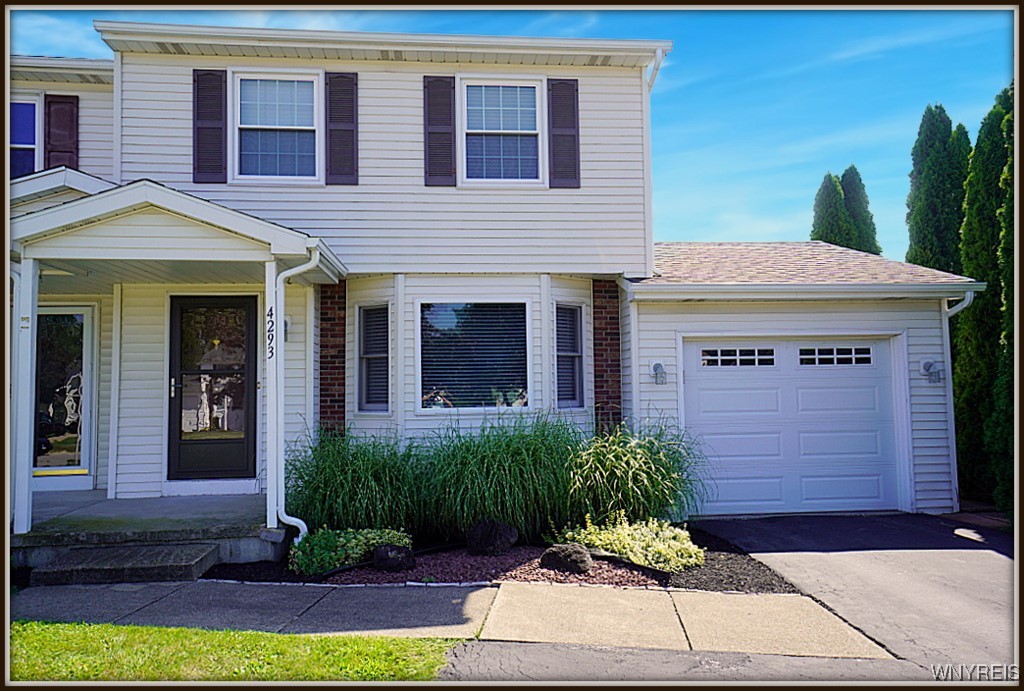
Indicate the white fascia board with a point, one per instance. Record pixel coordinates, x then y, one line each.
47 182
866 291
170 33
143 193
329 262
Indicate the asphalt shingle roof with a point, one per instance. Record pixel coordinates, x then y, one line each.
782 263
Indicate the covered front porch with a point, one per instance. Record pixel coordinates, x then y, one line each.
184 334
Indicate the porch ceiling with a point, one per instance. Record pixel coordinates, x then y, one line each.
97 277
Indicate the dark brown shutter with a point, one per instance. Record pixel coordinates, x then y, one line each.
60 128
439 131
209 126
563 133
342 129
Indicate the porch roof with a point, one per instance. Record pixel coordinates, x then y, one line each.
54 181
147 232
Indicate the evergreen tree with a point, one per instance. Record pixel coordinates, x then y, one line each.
999 427
832 222
856 199
935 202
978 328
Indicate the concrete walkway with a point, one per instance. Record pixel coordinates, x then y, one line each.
500 621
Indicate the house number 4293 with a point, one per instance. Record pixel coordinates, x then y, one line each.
271 334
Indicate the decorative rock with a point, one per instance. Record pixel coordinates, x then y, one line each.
393 558
490 537
573 558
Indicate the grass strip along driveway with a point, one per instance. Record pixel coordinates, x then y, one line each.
78 652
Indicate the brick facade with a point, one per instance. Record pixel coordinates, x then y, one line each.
607 355
332 355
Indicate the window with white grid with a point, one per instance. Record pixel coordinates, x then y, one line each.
837 355
737 357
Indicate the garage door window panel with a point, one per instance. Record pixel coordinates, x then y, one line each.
737 357
836 356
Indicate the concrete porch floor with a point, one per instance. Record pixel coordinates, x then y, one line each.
92 511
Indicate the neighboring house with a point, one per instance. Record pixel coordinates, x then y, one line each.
226 237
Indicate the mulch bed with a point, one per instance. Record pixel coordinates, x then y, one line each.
726 568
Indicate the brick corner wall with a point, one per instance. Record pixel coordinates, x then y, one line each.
332 355
607 355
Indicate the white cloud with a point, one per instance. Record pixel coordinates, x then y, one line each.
34 33
566 24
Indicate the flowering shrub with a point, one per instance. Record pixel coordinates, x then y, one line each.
327 549
651 542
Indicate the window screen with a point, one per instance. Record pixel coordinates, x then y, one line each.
373 358
277 135
501 132
473 355
569 346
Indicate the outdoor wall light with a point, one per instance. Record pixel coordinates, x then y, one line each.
659 373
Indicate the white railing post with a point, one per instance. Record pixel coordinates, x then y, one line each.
273 358
24 393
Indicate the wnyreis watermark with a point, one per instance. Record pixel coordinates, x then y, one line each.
975 672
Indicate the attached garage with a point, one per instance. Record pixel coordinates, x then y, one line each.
793 425
813 376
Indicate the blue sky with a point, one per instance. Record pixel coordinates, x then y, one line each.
749 111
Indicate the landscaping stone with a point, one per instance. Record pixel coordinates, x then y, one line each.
393 558
490 537
572 557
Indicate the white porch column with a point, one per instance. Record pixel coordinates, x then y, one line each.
274 364
23 394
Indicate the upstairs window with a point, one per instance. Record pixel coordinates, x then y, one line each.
26 153
502 132
473 355
569 346
277 128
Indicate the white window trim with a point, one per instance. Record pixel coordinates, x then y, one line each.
531 392
36 98
357 346
584 360
233 117
541 83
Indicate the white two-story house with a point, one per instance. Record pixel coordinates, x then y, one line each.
225 238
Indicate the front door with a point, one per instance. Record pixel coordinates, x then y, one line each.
212 433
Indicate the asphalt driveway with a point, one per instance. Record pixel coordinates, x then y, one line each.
928 589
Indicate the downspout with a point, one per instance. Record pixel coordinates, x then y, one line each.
659 57
962 305
948 312
279 452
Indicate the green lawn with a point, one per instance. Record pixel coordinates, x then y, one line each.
77 652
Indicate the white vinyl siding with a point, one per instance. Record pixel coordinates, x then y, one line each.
45 202
391 222
95 122
660 326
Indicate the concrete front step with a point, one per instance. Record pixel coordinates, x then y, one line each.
127 564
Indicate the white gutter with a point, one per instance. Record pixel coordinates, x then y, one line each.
962 305
831 291
278 453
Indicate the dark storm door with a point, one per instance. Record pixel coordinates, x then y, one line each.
212 432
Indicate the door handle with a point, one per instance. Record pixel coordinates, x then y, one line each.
174 386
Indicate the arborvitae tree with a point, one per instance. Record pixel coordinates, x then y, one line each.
999 428
978 328
934 205
832 222
856 199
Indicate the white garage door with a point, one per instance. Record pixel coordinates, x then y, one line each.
793 425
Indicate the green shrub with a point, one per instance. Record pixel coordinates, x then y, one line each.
324 550
651 542
650 472
347 480
513 469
